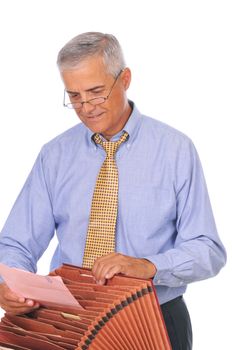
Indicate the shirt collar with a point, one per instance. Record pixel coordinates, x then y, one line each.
131 127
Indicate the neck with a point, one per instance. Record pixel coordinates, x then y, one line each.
125 118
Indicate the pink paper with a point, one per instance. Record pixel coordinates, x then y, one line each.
47 290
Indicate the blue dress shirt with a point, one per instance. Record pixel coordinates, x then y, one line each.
164 212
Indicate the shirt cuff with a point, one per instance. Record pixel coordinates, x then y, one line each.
164 272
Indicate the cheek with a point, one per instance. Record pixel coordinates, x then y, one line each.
78 114
117 110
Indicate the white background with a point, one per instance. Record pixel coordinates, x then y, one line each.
180 54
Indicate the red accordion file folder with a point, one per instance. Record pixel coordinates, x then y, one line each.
124 314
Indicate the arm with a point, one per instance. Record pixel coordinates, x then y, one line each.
28 229
197 252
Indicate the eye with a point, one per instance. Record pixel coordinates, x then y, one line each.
97 92
74 96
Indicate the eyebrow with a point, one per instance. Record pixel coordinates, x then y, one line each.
88 90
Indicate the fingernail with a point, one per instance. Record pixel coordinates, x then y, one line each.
99 282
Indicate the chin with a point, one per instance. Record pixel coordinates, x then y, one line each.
97 128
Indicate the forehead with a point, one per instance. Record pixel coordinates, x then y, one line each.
88 73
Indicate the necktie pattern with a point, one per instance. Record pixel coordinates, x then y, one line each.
101 231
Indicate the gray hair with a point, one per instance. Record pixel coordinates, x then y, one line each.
92 44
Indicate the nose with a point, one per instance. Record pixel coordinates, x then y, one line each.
87 107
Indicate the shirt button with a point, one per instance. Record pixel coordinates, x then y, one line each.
158 282
181 282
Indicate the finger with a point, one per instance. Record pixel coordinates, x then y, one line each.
102 270
21 310
103 264
101 260
101 282
12 305
109 271
113 271
30 302
98 271
19 302
98 265
12 297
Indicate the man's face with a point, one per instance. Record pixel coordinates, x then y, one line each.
90 80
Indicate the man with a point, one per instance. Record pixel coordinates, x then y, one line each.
165 228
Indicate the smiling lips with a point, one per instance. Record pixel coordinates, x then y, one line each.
94 116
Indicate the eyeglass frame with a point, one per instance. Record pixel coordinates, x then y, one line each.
81 103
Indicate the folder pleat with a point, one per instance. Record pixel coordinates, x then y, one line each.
123 314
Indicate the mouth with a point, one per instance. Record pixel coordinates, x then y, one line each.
95 117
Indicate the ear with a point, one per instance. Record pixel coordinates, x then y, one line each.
126 78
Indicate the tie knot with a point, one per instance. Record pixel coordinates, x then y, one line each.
109 146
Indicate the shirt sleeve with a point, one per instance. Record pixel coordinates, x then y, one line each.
197 251
30 225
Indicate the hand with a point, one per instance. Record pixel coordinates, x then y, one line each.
14 304
108 265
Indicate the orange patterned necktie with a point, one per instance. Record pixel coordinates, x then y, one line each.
101 231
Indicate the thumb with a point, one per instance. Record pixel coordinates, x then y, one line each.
10 295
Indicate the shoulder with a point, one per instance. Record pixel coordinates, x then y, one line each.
67 140
168 145
158 127
162 133
74 134
171 148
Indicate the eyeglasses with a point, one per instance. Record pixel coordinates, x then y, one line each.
93 101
